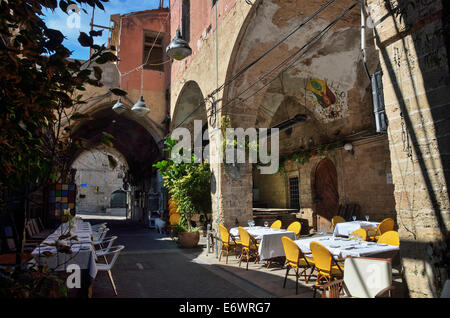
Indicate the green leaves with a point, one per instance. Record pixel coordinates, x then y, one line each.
188 183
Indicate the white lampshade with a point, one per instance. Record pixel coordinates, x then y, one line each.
140 108
119 108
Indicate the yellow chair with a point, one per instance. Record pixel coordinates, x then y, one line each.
337 219
173 210
295 227
276 225
385 226
175 219
227 244
361 233
389 238
327 267
249 246
296 259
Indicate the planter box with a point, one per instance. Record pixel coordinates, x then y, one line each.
189 239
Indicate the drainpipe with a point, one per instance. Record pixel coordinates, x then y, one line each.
363 37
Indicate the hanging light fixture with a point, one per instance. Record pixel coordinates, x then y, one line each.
178 49
119 107
140 108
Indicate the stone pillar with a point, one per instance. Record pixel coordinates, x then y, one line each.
414 61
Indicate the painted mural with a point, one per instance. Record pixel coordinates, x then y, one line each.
328 99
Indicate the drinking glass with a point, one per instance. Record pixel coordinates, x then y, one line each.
249 222
354 218
266 224
367 218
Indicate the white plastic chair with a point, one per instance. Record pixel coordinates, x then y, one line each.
104 251
115 251
363 278
98 238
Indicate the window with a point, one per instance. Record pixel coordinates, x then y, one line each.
294 193
156 58
186 20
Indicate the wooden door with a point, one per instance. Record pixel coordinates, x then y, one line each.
326 194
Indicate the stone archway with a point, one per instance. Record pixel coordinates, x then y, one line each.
328 84
134 142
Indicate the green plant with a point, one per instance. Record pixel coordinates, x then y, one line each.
189 184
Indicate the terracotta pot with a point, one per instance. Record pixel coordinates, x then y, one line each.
189 239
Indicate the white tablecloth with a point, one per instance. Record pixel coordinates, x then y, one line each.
270 245
343 248
347 228
82 255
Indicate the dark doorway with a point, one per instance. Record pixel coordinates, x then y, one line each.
326 194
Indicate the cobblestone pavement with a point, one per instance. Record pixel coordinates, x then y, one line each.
153 266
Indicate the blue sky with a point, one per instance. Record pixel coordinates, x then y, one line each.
65 23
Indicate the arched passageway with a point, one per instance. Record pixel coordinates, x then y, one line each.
124 138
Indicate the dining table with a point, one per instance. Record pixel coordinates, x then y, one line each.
270 245
347 228
344 247
82 252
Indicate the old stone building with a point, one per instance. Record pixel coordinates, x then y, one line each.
251 62
400 173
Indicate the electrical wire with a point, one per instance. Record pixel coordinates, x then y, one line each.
312 42
210 96
243 70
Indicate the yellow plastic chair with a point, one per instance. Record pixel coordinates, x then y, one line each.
296 259
360 233
228 242
249 246
276 225
327 267
175 219
295 227
389 238
385 226
173 210
337 219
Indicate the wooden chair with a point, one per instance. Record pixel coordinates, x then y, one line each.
327 267
296 259
385 226
228 242
249 246
363 278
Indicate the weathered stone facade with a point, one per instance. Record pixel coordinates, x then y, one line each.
402 174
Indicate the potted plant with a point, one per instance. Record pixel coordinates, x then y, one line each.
189 183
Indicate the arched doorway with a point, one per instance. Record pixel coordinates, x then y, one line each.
118 200
326 194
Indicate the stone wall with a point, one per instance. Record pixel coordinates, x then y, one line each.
410 36
100 181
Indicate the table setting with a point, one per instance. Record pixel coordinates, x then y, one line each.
270 239
347 228
69 244
345 247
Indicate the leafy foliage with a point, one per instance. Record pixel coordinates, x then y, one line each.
40 91
189 184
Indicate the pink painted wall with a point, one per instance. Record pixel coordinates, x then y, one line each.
131 49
